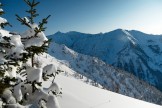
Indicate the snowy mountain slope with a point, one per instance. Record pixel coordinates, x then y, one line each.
78 94
92 97
110 78
132 51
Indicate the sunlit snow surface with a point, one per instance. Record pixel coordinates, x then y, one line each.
78 94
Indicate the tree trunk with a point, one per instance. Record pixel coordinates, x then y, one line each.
32 60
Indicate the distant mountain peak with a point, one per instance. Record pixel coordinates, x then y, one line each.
115 31
58 32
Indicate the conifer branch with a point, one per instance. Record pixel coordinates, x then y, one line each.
23 21
41 25
32 10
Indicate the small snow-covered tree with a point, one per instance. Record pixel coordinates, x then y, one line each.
35 41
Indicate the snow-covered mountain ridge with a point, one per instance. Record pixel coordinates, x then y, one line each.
133 51
109 77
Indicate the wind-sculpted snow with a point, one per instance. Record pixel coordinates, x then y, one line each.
109 77
132 51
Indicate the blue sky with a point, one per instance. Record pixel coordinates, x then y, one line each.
91 16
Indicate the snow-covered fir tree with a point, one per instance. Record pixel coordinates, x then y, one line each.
11 51
21 77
